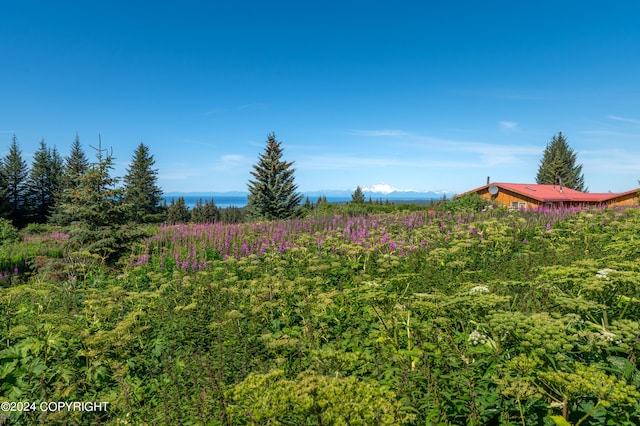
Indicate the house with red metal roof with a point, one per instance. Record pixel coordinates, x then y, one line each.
527 195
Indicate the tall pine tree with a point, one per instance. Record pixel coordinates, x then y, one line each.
94 211
14 175
44 182
558 164
74 166
4 203
358 196
142 195
178 212
272 194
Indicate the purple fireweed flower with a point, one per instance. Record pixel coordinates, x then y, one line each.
15 269
548 227
59 236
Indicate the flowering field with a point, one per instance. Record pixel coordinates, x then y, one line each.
525 317
191 247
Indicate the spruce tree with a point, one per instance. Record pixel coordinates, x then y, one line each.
272 194
205 212
44 182
14 175
93 209
558 164
75 165
4 203
358 196
178 212
142 195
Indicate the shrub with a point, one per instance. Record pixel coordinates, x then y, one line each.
469 202
8 232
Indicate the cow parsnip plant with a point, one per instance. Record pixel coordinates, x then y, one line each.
404 317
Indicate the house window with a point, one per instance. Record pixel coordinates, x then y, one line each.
518 205
549 205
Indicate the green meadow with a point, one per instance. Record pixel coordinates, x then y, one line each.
407 316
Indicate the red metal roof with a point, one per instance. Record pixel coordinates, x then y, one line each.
550 193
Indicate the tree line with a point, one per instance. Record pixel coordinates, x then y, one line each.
74 190
67 190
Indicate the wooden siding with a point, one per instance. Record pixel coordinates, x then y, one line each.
627 199
572 198
505 197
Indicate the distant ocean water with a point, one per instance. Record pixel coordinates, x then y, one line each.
224 201
221 201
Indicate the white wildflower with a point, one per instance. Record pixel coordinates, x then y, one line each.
609 337
477 338
603 274
479 289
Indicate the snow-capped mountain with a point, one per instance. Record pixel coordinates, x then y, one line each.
383 188
382 191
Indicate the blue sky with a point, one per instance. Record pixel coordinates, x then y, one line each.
416 94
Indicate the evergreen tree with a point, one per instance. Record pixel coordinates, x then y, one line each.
272 194
44 182
307 204
141 192
232 214
75 165
358 196
559 163
211 212
14 177
94 211
178 212
205 212
4 203
197 212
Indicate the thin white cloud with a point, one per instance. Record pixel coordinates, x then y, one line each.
232 158
377 133
623 119
215 111
609 133
177 174
508 126
349 162
465 147
613 160
232 162
254 105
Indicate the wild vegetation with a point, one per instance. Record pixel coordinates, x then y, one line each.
363 313
405 317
